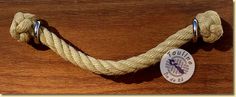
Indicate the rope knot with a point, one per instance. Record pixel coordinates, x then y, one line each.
210 26
22 26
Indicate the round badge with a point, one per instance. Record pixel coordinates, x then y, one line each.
177 66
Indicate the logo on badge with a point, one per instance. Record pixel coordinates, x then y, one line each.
177 66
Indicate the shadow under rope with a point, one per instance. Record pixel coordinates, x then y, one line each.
225 43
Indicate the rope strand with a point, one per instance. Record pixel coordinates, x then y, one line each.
22 30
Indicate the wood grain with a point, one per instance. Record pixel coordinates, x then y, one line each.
113 29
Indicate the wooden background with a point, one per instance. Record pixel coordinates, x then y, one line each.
113 29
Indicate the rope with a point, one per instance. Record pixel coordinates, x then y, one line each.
22 30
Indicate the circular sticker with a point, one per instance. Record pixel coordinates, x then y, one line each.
177 66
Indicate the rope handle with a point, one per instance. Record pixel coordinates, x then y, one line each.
22 29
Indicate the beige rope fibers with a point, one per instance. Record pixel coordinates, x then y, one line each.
22 26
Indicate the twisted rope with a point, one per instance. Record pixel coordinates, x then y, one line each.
22 30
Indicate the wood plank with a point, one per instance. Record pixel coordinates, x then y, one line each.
113 29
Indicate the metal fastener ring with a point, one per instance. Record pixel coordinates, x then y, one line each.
36 30
195 30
